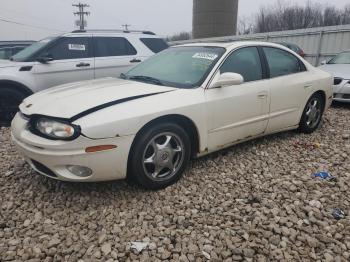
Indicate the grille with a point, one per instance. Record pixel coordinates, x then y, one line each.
346 96
337 80
47 171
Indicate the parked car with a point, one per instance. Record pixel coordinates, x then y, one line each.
76 56
339 67
10 48
184 102
293 47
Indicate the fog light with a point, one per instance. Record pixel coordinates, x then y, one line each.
80 171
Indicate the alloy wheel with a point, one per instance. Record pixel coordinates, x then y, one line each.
313 112
163 156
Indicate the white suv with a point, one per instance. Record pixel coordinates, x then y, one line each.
75 56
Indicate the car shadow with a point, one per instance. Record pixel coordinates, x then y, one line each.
340 105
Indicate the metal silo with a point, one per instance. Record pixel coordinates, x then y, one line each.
214 18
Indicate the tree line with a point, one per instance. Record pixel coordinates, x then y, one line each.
284 15
290 16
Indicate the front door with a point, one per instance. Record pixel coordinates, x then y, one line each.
71 61
241 111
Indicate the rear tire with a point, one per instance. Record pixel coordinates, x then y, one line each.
159 156
312 114
10 99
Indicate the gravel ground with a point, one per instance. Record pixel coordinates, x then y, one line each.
257 202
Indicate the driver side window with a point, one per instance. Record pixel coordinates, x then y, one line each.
246 62
70 48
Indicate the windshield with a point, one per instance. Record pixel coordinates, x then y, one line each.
181 67
342 58
26 53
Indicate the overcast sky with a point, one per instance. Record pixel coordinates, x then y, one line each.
164 17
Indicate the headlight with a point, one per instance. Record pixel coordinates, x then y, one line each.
54 129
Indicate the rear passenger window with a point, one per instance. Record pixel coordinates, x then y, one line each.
155 44
113 46
246 62
70 48
282 63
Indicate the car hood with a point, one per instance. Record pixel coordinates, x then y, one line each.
337 70
8 63
82 98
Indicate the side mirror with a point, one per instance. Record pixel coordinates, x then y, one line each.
45 58
227 79
324 62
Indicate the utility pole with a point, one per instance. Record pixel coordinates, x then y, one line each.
81 13
126 27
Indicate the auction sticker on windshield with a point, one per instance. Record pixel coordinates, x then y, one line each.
208 56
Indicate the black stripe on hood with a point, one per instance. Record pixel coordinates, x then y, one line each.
112 103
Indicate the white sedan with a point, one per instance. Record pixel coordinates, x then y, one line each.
185 102
339 67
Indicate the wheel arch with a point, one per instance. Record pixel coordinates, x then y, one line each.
183 121
320 92
10 83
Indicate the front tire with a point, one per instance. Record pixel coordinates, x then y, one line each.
10 99
312 114
160 156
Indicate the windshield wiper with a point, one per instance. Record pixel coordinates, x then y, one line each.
147 79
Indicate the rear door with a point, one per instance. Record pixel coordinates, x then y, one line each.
290 86
72 61
113 55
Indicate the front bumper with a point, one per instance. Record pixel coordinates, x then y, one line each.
51 158
342 91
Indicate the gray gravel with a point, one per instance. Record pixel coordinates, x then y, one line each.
256 202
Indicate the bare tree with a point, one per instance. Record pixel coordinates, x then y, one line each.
289 16
345 17
180 36
245 26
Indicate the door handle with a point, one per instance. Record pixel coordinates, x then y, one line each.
262 95
135 60
82 64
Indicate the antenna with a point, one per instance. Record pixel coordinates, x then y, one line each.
126 27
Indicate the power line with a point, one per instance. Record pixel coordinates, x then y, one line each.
23 24
81 13
38 19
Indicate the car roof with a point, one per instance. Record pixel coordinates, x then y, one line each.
232 45
148 34
19 42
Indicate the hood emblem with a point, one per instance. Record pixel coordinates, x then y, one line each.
27 106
